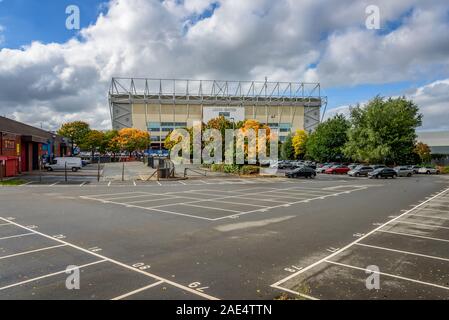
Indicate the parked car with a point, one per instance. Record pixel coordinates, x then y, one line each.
378 166
383 173
323 169
360 171
415 169
339 169
72 163
352 166
284 164
429 170
306 172
403 171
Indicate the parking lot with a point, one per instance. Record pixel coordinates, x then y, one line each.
233 238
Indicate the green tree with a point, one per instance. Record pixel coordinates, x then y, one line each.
327 141
287 150
110 144
75 131
383 131
93 141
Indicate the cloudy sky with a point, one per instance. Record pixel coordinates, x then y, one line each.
50 75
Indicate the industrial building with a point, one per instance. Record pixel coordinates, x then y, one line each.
161 105
22 146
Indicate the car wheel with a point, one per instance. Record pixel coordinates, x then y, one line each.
428 172
395 176
74 169
49 169
357 174
438 172
409 175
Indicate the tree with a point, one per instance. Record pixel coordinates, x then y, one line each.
75 131
132 140
383 131
424 152
92 141
299 142
327 141
287 150
111 144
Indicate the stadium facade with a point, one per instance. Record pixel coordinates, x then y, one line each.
161 105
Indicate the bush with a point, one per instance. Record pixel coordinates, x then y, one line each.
235 169
231 168
247 170
445 170
217 167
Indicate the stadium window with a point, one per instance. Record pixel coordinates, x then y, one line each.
224 114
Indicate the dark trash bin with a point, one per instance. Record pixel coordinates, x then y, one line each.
164 173
151 162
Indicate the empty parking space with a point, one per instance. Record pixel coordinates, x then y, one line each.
39 269
222 203
409 254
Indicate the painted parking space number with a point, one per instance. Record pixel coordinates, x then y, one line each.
141 266
197 286
293 269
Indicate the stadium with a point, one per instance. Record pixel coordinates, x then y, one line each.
161 105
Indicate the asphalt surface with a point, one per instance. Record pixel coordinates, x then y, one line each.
226 238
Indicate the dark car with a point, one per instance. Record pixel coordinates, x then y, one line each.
383 173
306 172
378 166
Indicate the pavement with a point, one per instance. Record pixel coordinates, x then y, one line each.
226 238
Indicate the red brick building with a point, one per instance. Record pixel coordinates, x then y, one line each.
23 146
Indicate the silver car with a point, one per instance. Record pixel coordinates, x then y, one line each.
360 171
403 171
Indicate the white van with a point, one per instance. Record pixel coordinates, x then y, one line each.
73 164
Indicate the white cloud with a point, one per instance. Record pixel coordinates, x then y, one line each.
240 40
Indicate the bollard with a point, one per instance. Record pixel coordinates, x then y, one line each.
65 172
123 172
98 173
40 171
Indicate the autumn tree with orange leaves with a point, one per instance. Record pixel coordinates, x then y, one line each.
132 140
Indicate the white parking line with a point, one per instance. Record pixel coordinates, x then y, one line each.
126 295
293 275
5 224
401 251
18 236
48 275
388 275
431 217
423 224
32 251
148 274
52 185
413 235
82 184
211 208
